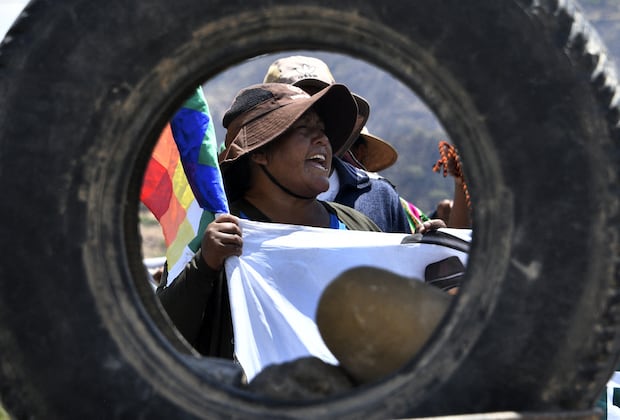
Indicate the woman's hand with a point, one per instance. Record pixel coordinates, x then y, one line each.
429 225
449 162
221 240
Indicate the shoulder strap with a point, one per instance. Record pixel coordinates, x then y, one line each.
353 219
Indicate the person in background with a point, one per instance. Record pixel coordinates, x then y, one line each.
456 212
373 154
370 153
442 211
350 184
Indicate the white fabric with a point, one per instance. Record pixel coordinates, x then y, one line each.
276 284
332 191
613 411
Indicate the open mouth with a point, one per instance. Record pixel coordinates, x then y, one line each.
319 161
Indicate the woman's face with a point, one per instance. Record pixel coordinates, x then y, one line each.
301 158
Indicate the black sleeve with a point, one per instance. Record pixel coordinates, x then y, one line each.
185 299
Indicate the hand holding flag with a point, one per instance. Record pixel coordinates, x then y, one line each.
183 185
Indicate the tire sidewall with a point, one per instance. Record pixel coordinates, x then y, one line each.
536 137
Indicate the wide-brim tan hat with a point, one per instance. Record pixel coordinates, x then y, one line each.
313 74
381 154
261 113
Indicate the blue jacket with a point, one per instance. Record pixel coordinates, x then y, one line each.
374 197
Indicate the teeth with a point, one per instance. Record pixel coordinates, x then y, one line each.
318 157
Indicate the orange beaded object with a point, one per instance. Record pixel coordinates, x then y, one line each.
450 163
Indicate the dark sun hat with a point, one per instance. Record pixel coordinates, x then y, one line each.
261 113
312 74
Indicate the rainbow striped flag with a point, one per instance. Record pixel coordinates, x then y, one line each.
414 216
182 184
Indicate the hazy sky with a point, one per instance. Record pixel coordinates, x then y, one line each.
9 9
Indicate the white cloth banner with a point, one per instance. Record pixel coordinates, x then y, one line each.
613 411
276 284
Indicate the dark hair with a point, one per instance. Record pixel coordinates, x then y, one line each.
360 141
237 178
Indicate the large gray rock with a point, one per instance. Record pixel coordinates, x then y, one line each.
302 379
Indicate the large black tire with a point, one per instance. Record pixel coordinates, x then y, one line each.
524 89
